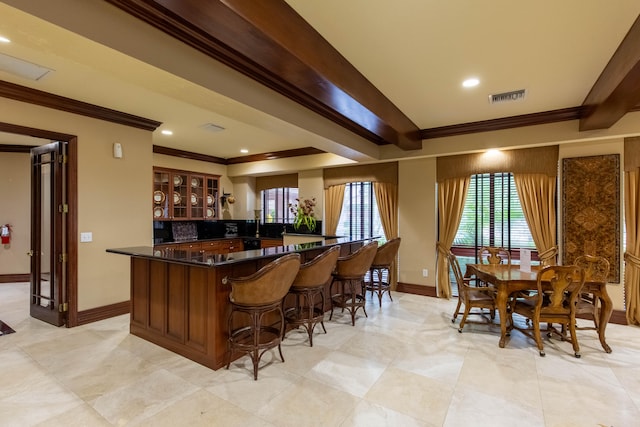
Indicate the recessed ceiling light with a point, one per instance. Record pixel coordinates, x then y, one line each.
167 132
471 82
4 40
244 151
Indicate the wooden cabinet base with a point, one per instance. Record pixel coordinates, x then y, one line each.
183 306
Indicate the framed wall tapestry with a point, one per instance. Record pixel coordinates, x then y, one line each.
591 209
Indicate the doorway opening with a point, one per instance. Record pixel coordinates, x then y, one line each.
59 300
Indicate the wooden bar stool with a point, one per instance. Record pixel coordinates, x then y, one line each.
308 289
348 280
255 296
381 264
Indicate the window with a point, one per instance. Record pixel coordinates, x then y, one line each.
275 204
360 218
492 216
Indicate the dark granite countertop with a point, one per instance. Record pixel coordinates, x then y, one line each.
195 257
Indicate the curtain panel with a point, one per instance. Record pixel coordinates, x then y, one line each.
632 211
451 196
387 197
537 194
333 199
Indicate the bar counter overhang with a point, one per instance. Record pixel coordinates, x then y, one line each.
179 300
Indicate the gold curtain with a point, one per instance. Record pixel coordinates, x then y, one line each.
387 198
452 194
632 255
333 197
537 193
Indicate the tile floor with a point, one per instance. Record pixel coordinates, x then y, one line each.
405 365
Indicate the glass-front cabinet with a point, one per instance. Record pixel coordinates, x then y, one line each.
182 195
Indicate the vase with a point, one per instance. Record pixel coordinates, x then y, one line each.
303 229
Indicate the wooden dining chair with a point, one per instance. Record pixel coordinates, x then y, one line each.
558 288
494 255
596 273
471 295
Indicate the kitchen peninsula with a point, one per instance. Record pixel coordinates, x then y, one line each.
179 299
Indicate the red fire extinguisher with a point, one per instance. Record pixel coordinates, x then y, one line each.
5 234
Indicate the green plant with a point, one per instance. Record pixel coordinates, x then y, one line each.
303 213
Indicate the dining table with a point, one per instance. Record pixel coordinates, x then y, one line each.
511 278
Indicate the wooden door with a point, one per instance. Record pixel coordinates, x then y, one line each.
48 299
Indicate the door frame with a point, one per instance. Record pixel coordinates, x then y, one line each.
72 201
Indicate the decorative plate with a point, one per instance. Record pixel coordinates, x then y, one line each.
194 199
177 198
209 213
209 199
158 197
195 182
158 212
177 180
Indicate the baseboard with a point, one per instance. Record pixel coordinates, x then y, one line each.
14 278
409 288
104 312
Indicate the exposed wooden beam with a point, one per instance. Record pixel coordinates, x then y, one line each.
269 42
617 90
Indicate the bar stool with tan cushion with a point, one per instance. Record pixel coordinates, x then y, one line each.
347 284
381 264
308 289
251 298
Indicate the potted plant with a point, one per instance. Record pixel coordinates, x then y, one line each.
303 214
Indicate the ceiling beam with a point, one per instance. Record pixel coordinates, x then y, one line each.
617 90
269 42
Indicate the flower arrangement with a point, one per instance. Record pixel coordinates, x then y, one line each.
303 213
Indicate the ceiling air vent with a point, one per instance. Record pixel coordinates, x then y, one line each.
22 68
212 128
514 95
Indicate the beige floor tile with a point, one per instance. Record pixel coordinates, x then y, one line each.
202 408
419 397
309 403
348 373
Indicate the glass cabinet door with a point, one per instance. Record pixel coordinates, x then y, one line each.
161 192
211 190
197 197
180 196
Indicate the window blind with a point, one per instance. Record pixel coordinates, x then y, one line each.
493 215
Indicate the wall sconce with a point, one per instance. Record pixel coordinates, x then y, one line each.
227 198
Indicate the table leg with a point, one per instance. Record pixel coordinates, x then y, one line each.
501 302
605 314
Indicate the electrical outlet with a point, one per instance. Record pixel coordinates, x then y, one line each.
425 272
86 237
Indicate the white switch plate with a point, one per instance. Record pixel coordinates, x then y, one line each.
86 237
425 272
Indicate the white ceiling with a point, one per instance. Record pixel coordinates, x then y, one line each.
417 52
